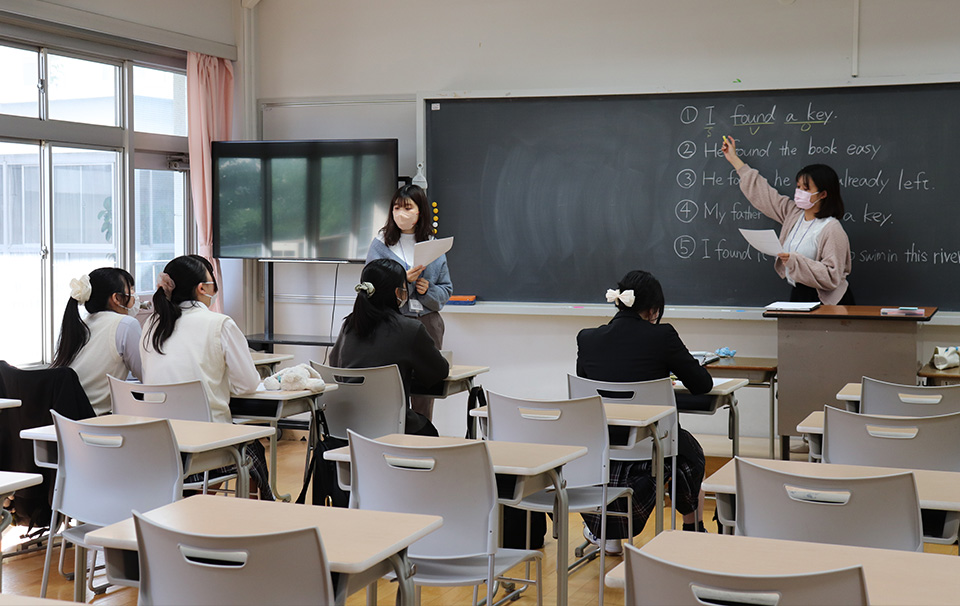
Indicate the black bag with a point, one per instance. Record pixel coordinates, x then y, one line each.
514 528
323 473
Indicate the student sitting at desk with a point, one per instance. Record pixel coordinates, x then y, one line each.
107 342
185 341
633 347
377 334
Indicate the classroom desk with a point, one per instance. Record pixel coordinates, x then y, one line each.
271 406
759 372
522 469
896 578
933 376
645 421
266 363
9 599
937 489
833 345
723 394
10 482
360 545
9 403
459 379
204 445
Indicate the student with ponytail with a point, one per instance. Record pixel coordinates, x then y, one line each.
105 342
185 341
377 334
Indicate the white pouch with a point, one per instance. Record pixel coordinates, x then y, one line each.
945 357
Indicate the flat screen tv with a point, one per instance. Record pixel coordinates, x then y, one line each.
301 199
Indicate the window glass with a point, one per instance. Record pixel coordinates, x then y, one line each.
21 316
19 73
159 101
159 223
83 91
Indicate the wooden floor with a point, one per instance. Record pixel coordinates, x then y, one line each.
21 574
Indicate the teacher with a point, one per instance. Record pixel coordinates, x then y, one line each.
429 288
816 258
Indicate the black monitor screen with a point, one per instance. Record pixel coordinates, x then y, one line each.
301 199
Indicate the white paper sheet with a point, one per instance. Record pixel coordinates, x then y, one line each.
425 253
764 240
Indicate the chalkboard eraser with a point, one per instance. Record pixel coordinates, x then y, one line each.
462 300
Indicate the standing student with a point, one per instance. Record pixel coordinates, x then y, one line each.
634 346
377 334
185 341
817 258
107 342
428 288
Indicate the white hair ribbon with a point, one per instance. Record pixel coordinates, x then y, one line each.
80 289
626 297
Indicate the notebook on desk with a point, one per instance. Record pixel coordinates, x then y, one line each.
704 357
792 306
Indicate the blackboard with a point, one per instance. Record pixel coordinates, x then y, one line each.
553 199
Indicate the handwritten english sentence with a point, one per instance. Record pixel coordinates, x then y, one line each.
901 180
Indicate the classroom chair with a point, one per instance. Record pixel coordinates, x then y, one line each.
580 422
883 398
652 581
453 481
274 568
877 511
368 401
104 472
905 442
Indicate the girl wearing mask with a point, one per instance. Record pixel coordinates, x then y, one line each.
185 341
817 258
107 341
428 288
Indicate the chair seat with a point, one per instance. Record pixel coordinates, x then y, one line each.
78 534
581 499
453 572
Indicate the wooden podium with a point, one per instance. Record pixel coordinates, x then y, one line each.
820 351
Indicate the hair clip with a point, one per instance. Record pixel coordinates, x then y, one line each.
80 289
365 287
626 297
165 283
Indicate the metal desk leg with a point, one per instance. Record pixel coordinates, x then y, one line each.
561 520
773 413
658 473
273 465
403 569
243 472
733 425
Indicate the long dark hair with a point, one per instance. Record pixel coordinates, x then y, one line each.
74 333
371 310
424 227
826 180
647 292
186 272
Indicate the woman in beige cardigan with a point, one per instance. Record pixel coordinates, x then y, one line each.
816 261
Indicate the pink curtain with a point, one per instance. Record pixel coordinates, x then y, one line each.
209 118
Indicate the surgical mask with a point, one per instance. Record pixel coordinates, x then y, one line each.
133 309
803 199
406 219
213 297
401 301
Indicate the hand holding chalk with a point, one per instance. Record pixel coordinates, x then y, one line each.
729 149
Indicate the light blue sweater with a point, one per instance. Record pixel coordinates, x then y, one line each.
436 273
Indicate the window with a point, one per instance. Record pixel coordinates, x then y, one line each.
160 206
19 95
159 101
83 91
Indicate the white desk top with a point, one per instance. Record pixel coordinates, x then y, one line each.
721 386
936 489
354 539
8 403
812 423
283 394
192 436
511 458
23 600
460 372
264 358
849 393
893 577
11 481
619 415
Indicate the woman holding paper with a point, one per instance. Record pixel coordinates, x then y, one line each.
816 259
429 287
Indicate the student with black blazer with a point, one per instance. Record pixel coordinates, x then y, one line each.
635 346
377 334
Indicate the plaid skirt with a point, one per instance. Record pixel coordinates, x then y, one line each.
259 472
638 476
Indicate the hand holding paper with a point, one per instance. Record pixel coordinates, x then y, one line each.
428 251
764 240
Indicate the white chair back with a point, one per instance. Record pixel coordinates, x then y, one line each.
183 401
105 471
369 401
658 392
277 568
652 581
455 482
580 422
907 442
877 511
883 398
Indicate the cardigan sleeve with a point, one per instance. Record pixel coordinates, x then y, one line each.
832 264
440 289
763 196
694 377
429 365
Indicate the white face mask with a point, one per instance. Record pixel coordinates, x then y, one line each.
213 297
133 309
803 199
406 219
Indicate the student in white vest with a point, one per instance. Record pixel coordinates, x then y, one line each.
106 342
185 341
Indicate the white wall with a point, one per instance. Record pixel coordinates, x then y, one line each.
354 48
